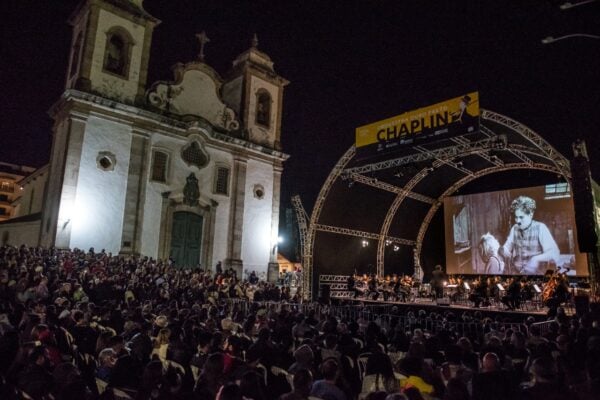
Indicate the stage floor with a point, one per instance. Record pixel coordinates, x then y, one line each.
528 308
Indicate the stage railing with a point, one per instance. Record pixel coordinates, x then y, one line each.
384 316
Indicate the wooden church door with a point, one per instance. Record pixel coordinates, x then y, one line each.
186 239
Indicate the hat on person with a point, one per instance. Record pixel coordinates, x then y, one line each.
64 314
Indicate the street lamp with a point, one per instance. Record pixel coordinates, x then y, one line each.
552 39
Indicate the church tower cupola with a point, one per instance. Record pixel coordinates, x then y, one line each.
110 49
255 92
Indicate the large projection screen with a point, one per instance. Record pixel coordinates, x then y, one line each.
500 233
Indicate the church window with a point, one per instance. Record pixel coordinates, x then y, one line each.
75 55
106 161
263 108
6 187
194 154
160 162
259 192
117 52
222 180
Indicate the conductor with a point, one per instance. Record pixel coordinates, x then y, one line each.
437 281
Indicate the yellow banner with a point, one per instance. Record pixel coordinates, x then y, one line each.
456 116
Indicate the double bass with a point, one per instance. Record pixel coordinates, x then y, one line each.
557 279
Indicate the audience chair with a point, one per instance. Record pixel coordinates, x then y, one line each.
263 370
362 364
101 385
195 372
277 371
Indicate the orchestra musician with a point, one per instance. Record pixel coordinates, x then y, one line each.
372 292
480 292
556 291
527 290
512 299
351 286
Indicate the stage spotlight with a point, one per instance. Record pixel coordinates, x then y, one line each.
396 247
364 243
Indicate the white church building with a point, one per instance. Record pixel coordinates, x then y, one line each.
188 169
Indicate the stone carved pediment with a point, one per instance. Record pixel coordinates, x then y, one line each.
195 92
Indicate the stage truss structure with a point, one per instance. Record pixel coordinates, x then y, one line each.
529 151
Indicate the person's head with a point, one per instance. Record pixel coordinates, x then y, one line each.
523 208
490 362
230 391
456 389
107 357
329 369
250 386
213 365
488 246
413 393
152 375
304 354
303 381
543 369
396 396
381 395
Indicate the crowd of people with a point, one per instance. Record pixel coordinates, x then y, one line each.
86 325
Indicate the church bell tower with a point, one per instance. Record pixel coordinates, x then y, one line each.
110 49
255 92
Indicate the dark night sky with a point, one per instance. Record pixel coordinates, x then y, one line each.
349 63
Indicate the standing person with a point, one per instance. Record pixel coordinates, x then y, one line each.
530 244
437 281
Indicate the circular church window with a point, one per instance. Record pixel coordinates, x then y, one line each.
105 161
259 191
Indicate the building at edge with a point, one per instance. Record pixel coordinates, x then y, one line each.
188 169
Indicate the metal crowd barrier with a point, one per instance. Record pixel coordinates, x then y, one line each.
384 317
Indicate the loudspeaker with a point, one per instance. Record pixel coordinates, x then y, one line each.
583 199
325 294
582 305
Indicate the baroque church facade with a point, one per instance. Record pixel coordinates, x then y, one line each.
188 169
